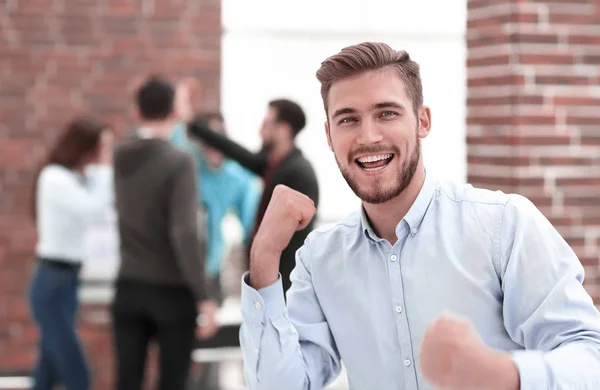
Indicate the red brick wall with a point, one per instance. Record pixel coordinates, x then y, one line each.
533 111
59 58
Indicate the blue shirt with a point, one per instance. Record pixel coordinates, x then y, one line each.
231 187
488 256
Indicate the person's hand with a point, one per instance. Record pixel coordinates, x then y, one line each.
208 315
453 357
288 211
186 98
106 148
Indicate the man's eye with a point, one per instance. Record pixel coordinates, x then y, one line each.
347 120
388 113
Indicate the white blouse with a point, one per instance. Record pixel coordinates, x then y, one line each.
67 202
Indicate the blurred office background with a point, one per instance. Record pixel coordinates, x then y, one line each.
514 88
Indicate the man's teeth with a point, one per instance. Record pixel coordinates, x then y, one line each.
367 159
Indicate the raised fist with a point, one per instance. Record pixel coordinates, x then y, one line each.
287 212
186 98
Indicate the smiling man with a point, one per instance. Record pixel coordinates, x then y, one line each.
431 284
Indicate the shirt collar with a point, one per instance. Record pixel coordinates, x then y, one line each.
152 133
145 132
415 214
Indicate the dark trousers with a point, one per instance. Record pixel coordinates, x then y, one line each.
143 313
53 301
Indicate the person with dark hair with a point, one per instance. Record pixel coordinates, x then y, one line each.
226 186
73 187
161 285
280 161
430 284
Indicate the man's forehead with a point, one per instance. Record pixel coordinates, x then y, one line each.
363 91
271 114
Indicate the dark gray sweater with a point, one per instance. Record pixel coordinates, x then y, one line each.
159 214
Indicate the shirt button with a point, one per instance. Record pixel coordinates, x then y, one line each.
256 351
393 258
399 309
414 231
407 362
257 305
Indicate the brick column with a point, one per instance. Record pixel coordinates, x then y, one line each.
60 58
533 121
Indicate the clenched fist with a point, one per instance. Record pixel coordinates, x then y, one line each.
287 212
453 357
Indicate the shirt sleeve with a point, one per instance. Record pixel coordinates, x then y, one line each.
185 218
546 308
255 162
84 201
289 348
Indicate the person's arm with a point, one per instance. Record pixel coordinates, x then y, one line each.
86 202
289 348
183 227
179 135
179 138
546 308
255 162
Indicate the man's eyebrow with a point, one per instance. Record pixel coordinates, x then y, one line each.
342 111
376 106
379 106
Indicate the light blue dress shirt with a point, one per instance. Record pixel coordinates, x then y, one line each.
356 298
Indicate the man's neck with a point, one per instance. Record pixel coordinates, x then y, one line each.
385 217
281 151
157 129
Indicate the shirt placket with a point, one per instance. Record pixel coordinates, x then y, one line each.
399 307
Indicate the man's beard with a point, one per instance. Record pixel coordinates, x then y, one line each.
377 194
267 148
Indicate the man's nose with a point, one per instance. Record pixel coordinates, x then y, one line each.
369 133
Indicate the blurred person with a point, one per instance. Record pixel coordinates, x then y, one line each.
225 186
431 284
74 186
280 161
161 285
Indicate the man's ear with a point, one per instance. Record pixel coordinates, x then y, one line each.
285 131
424 121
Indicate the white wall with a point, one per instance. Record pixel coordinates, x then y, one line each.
272 48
